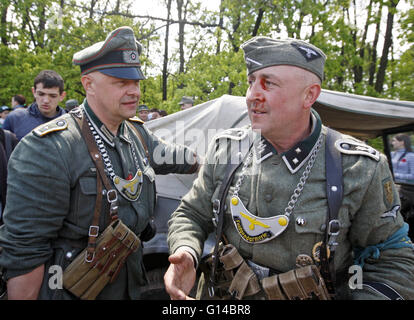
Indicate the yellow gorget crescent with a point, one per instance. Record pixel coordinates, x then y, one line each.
254 229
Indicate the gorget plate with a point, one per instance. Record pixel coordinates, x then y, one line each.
254 229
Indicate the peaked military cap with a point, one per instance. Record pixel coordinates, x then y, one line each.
262 52
117 56
186 99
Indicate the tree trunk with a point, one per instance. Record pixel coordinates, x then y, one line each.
258 22
3 27
387 44
373 63
358 69
219 30
181 25
165 64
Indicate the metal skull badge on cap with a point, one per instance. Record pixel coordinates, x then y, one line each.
117 56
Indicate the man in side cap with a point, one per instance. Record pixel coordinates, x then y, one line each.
300 209
186 102
4 112
143 112
71 104
88 171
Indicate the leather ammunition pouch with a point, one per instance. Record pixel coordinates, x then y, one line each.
87 275
304 283
233 277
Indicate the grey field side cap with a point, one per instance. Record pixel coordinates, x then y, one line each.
186 99
72 103
117 56
262 52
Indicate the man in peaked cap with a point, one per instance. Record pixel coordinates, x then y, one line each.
49 218
304 202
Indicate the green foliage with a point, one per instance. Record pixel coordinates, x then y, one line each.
40 35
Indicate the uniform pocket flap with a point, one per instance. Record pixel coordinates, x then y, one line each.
88 185
310 221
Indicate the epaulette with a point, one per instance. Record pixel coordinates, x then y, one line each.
51 126
233 133
353 147
136 119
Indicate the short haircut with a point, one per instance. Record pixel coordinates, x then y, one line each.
49 79
20 99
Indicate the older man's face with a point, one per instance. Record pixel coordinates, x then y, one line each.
275 99
114 99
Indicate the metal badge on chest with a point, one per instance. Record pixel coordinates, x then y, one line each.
130 188
255 229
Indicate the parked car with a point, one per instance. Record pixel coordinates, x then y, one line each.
360 116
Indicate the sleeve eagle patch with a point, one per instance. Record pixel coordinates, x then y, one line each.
353 147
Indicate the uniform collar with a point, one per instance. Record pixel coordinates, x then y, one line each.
297 156
102 130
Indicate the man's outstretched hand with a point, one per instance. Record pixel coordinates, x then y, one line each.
180 276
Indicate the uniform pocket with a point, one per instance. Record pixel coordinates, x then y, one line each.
312 222
88 185
83 204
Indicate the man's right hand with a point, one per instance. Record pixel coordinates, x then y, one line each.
180 276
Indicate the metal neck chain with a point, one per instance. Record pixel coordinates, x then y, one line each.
105 157
302 181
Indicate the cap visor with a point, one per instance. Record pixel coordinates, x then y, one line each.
124 73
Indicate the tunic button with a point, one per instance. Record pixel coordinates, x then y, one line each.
268 197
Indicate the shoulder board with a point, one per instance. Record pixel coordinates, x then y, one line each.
235 134
353 147
136 119
51 126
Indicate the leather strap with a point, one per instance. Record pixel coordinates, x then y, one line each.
334 192
140 137
224 188
94 152
225 185
101 178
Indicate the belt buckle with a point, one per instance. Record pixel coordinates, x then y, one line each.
93 231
